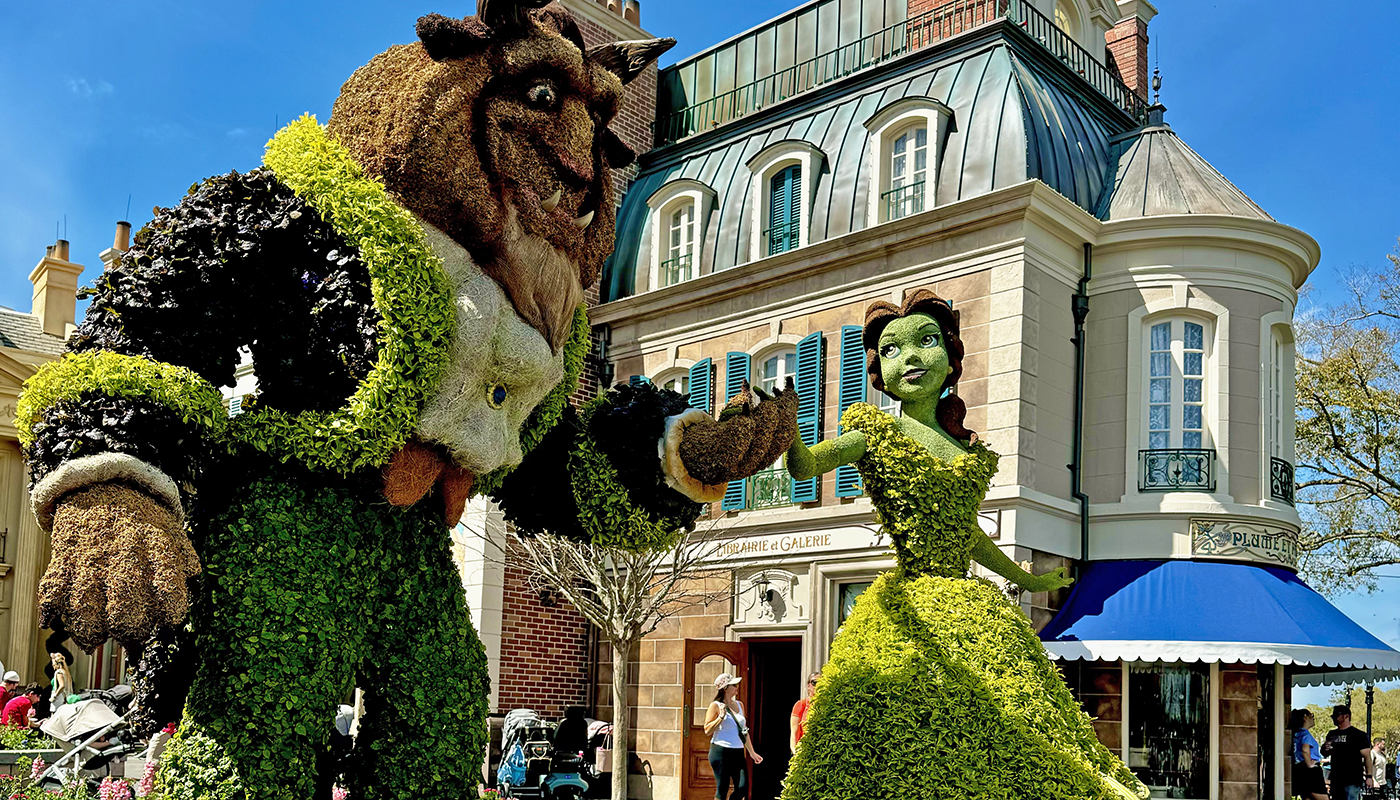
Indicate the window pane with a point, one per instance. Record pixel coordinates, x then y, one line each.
1195 337
1161 365
1157 441
1193 364
849 593
1191 391
1191 418
1162 336
897 171
1169 728
1159 418
1191 440
901 144
920 160
920 137
1160 390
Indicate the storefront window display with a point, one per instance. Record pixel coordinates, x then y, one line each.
1169 728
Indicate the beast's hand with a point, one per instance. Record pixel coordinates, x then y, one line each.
119 566
751 434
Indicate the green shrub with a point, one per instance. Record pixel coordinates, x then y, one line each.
23 739
939 688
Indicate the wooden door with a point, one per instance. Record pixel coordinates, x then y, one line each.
705 659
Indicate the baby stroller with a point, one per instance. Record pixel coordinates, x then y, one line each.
531 767
92 727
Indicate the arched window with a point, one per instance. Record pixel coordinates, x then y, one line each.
784 176
908 172
784 211
678 382
904 140
774 369
680 250
1176 385
1063 20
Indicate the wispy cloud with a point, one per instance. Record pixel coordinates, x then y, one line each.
82 88
237 133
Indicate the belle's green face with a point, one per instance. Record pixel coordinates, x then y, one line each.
913 362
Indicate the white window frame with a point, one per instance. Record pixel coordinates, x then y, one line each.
1178 376
1213 762
662 204
885 126
762 167
1276 340
669 375
1192 303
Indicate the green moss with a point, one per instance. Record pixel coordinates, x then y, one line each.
606 513
410 291
117 375
547 414
937 688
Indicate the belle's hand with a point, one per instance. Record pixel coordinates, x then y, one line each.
1050 581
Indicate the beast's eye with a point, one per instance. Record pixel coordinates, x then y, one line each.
542 96
889 351
496 396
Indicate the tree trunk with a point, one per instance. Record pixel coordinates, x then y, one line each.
622 721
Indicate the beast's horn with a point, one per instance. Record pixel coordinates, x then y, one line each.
626 60
445 38
507 15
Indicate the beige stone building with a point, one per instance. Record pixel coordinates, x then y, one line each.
1127 315
28 340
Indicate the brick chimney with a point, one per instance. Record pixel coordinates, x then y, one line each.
121 242
55 282
1127 45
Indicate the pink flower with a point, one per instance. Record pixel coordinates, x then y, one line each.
340 794
37 768
114 789
148 780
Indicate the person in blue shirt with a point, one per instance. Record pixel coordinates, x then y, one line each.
1308 781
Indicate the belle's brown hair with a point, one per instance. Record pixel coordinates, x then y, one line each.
951 410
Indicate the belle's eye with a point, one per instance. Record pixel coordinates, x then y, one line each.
929 340
889 351
542 96
496 397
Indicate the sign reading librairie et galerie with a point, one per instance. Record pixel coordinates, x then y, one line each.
1244 542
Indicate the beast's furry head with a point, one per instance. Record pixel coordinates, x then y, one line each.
493 129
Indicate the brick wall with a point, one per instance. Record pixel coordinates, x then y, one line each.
544 650
1098 685
1127 54
932 20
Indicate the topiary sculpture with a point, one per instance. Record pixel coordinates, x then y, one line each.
937 687
409 281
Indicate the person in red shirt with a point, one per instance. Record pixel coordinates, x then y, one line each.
7 691
19 712
799 712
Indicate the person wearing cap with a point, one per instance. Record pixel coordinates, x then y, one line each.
727 728
7 691
1350 748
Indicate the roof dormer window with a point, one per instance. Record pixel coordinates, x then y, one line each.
784 180
904 139
679 210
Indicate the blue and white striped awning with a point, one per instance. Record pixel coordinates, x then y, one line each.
1209 611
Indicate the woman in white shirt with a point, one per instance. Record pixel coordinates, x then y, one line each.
727 728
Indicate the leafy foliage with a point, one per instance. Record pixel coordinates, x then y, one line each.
79 375
313 587
607 515
1348 434
23 739
98 423
927 505
937 687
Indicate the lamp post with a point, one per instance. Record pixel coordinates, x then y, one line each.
1370 698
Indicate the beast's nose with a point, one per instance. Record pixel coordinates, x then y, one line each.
575 170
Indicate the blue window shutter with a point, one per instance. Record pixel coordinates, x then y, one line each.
784 209
852 391
794 207
736 370
702 386
638 380
809 409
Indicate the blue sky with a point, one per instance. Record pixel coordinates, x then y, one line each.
107 103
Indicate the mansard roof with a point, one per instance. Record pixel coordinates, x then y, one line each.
1157 174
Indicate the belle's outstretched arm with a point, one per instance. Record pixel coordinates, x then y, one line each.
804 462
986 553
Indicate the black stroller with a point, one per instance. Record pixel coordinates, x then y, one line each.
531 765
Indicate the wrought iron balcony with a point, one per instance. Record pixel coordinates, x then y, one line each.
904 201
1177 470
781 238
943 21
675 270
771 488
1281 484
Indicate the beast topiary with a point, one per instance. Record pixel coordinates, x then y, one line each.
410 282
937 687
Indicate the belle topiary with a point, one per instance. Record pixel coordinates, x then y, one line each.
937 687
410 282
